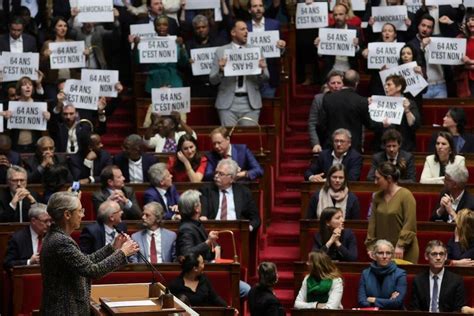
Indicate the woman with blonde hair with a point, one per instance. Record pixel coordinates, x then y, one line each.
461 245
322 288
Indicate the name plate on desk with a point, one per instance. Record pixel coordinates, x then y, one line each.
136 305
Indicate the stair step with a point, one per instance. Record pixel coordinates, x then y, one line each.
282 254
288 213
284 229
286 297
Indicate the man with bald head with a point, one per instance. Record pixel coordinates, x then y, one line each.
8 157
102 232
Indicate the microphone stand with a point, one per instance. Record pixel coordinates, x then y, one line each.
246 118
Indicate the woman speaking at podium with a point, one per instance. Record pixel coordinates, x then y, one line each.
66 271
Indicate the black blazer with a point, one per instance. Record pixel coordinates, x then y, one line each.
92 237
467 201
121 161
80 171
352 161
19 249
14 159
348 250
467 148
410 172
7 214
262 302
36 172
451 296
245 207
192 239
134 212
29 43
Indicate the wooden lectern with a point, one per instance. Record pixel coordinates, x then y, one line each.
102 294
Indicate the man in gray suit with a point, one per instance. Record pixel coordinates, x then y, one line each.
237 96
157 244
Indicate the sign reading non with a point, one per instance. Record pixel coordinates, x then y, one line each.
386 108
67 55
396 15
337 42
446 50
27 115
83 95
266 41
241 62
158 50
107 80
17 65
311 16
415 81
202 60
383 54
167 100
95 11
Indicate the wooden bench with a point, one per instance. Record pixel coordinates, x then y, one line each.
349 312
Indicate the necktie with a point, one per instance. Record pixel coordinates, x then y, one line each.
111 236
224 206
169 146
434 295
240 79
40 244
153 256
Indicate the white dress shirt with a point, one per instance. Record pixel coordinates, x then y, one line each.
157 244
238 89
231 215
16 45
135 171
108 234
258 27
440 280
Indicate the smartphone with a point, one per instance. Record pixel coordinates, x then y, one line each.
76 186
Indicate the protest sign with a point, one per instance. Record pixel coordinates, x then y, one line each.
1 120
311 16
83 95
383 54
413 5
415 81
266 41
17 65
95 11
166 100
143 31
453 3
27 115
241 62
468 3
338 42
395 14
67 55
202 60
73 3
161 49
446 51
357 5
390 108
107 80
202 4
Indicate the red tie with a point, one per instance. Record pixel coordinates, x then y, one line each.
40 243
153 256
224 206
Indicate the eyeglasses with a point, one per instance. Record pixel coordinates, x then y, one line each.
221 174
44 221
80 211
386 253
437 254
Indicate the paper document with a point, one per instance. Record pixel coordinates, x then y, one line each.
131 303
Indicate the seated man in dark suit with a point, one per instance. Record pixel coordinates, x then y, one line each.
16 41
157 244
250 169
24 241
437 289
392 140
341 153
8 157
16 200
162 190
44 158
87 164
454 196
102 232
113 189
133 162
227 200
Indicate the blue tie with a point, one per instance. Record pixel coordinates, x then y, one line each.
434 295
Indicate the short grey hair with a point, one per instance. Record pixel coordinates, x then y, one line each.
343 131
459 174
157 210
200 19
383 242
106 209
187 203
156 173
14 169
133 139
233 166
44 139
60 202
36 210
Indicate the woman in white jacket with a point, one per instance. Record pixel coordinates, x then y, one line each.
322 288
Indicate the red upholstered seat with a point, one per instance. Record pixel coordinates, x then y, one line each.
32 288
86 200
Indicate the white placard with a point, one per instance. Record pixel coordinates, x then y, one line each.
383 54
202 60
446 50
2 63
17 65
1 119
167 100
453 3
95 11
241 62
130 303
469 3
390 108
202 4
358 5
161 49
336 42
143 30
395 15
415 82
27 115
266 41
311 16
67 55
83 95
413 5
73 3
107 80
